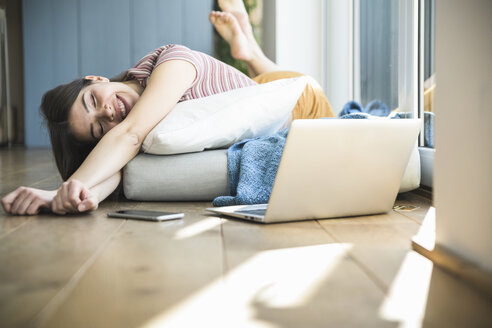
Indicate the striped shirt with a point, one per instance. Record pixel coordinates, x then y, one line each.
213 76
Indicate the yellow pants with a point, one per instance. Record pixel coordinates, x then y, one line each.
312 103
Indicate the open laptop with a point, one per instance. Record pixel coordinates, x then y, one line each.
336 168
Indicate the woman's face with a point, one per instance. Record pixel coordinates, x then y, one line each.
99 107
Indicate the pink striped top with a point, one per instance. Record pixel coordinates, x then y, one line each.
213 76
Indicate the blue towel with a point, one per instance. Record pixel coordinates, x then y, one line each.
352 107
377 108
374 108
429 119
252 167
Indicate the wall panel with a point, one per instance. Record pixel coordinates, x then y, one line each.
197 30
104 37
66 39
155 23
50 57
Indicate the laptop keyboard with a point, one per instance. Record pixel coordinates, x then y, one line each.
260 211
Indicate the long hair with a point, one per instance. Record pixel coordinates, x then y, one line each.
55 107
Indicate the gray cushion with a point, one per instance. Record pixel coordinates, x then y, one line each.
183 177
202 176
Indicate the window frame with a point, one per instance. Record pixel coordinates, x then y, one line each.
411 76
411 58
426 154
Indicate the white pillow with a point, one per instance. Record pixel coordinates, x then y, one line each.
223 119
411 177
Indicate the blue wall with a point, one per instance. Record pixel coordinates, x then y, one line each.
66 39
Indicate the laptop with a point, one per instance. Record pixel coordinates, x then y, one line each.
333 168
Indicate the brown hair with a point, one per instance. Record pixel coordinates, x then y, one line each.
55 106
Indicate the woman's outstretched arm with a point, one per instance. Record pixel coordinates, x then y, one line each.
74 197
30 201
166 85
27 201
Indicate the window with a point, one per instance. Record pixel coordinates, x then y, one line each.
376 52
383 49
394 63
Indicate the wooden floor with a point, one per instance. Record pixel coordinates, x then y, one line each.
207 271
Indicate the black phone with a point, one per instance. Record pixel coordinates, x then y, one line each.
146 215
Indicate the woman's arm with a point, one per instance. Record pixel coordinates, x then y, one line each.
26 200
166 85
30 201
102 190
73 196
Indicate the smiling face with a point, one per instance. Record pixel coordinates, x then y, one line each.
99 107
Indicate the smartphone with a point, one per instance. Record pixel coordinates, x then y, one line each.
145 215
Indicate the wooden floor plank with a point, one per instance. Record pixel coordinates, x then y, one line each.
41 256
410 198
295 275
19 160
25 168
9 223
91 271
146 269
27 177
380 242
51 182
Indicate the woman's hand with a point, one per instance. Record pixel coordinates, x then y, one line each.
25 200
73 197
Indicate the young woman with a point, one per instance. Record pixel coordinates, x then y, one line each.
97 126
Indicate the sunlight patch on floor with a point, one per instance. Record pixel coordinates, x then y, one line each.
281 278
426 236
198 228
286 277
407 297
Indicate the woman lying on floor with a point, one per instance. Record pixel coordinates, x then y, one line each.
97 126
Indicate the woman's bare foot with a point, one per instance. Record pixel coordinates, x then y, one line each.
232 5
234 26
237 9
228 27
